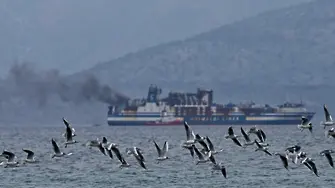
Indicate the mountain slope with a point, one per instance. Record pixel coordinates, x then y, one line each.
290 46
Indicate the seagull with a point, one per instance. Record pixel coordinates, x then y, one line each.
258 132
162 154
69 136
211 146
284 160
330 132
232 136
293 149
261 148
135 150
138 156
93 143
329 120
220 167
305 124
10 159
247 142
203 159
294 153
57 152
310 165
120 157
327 154
67 124
190 137
30 157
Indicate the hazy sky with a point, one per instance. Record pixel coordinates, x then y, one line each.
72 35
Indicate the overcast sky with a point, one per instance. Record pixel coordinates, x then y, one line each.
72 35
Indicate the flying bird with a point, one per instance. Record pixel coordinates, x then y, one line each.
329 120
305 124
232 136
262 148
202 158
30 156
162 153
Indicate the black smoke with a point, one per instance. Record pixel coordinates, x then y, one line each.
24 84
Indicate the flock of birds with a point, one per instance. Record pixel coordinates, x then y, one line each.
197 145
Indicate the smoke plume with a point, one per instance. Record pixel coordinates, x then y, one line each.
26 85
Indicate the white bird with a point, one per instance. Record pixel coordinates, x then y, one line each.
305 124
10 159
190 137
57 152
262 148
232 136
330 132
30 156
258 132
162 153
202 158
67 124
69 136
329 120
138 156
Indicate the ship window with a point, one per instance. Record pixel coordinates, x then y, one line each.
237 118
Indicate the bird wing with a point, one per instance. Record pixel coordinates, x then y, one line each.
327 114
159 151
230 131
267 152
30 153
304 120
66 123
139 154
313 167
284 160
203 144
189 133
200 156
165 148
263 134
330 159
211 157
68 134
236 142
224 172
55 146
246 137
102 149
118 154
259 135
110 154
104 140
210 144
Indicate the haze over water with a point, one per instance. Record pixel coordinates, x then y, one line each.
90 168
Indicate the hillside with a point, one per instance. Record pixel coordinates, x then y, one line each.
293 46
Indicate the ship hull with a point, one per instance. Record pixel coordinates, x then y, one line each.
270 119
